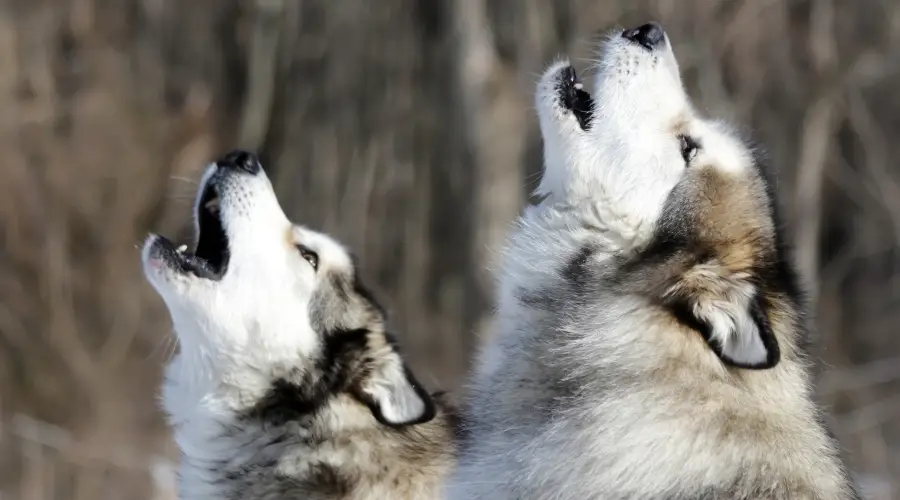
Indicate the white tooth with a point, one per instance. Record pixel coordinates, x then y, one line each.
213 204
182 248
579 86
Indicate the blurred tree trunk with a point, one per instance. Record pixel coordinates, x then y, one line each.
496 124
365 143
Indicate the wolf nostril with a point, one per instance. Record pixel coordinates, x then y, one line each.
240 160
649 35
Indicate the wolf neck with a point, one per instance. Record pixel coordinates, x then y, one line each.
595 219
221 442
205 404
203 417
232 427
599 345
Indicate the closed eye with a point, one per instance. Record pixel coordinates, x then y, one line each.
310 256
689 147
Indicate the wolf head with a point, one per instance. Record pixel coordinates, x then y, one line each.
624 144
676 205
262 304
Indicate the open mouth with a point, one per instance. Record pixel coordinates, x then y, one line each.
212 243
574 98
209 260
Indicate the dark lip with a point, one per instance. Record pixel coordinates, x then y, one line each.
183 262
574 98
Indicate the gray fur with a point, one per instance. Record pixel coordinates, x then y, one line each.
287 385
649 327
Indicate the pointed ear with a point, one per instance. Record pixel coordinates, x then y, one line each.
750 343
394 395
737 329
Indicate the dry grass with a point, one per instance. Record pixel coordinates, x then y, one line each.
404 130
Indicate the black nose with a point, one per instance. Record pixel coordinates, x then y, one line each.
649 35
240 160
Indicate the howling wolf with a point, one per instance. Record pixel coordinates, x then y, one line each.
650 323
287 384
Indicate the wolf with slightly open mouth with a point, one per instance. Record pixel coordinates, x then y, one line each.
650 325
286 384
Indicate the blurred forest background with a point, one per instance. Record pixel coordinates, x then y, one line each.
405 128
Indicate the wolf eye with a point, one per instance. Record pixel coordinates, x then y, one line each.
689 147
310 256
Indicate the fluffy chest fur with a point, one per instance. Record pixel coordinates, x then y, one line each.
593 387
339 453
580 409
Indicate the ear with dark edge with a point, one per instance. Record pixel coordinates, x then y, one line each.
394 395
740 334
752 343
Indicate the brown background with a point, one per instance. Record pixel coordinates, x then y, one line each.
405 128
